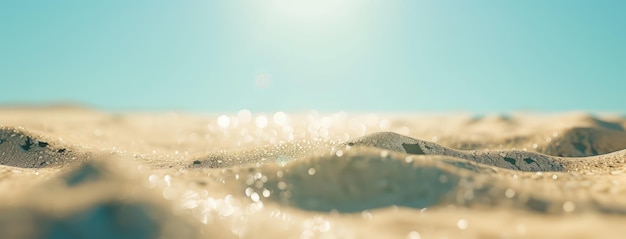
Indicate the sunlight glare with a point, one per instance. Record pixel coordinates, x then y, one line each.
311 9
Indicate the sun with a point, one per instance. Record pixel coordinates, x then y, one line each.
318 10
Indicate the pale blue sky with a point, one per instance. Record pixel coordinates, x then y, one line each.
329 55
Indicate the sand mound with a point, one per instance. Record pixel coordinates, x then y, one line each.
367 178
120 207
588 141
569 135
25 149
510 159
358 181
280 153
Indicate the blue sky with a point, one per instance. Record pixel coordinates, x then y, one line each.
329 55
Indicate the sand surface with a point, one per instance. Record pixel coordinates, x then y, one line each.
69 172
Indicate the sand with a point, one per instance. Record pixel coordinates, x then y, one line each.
71 172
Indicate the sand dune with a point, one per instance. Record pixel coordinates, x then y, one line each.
77 173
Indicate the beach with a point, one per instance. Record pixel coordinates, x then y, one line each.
76 172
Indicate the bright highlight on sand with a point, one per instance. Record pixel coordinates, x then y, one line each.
280 118
223 121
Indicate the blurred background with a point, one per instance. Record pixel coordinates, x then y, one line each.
328 55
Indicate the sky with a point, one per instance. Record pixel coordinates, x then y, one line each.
327 55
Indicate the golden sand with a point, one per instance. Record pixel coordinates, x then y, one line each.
78 173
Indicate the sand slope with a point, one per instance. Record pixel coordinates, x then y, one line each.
77 173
